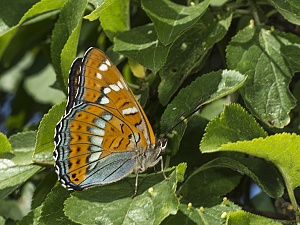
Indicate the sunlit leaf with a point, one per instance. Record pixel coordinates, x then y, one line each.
203 90
170 19
65 38
141 44
269 58
153 205
45 137
188 214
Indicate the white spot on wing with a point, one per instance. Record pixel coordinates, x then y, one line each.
96 140
94 157
94 148
129 111
99 75
120 85
106 90
139 127
137 137
107 62
107 117
100 123
104 100
114 87
97 131
103 67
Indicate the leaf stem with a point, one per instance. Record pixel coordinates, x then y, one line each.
43 163
167 162
254 13
293 200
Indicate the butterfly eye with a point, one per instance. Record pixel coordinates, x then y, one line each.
162 143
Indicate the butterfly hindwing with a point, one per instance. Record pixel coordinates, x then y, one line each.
90 140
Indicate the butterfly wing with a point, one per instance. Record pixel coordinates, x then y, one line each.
73 83
114 92
104 127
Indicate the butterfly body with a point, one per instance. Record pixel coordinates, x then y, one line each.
104 134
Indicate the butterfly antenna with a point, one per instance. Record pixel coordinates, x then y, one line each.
182 118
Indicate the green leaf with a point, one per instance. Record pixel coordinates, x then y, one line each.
170 19
11 210
280 149
43 189
96 3
188 214
258 170
290 9
4 192
31 217
227 128
52 208
188 52
2 220
95 14
19 9
190 141
23 147
45 136
114 16
269 58
141 45
42 6
13 45
23 11
65 38
10 79
246 218
205 89
5 146
39 87
9 23
214 109
5 40
206 187
13 174
98 205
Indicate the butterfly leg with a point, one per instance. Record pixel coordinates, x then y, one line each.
160 158
136 185
151 165
162 167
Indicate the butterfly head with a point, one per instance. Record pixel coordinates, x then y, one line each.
161 143
152 156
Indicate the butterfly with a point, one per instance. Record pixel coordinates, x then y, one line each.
104 134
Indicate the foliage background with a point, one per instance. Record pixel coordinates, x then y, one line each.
178 57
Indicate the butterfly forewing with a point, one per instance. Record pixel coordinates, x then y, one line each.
104 84
103 128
